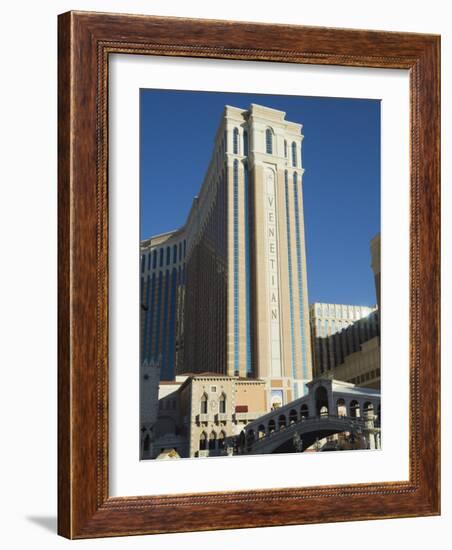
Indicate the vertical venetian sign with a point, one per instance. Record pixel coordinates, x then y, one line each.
272 273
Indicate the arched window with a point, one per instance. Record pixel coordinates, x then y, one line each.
154 259
271 426
180 251
321 401
261 431
285 148
204 404
222 404
368 410
174 253
143 263
235 141
212 441
294 153
293 417
282 422
304 411
245 142
203 441
168 255
221 439
161 257
354 409
269 141
341 408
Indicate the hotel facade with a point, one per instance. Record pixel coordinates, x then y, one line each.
226 294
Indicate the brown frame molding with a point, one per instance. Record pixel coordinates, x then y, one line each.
85 41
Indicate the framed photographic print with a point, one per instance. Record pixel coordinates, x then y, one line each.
248 275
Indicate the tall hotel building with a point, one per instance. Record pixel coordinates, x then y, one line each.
227 293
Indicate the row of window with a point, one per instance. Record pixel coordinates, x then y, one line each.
159 331
249 368
342 311
204 406
164 256
212 442
236 269
299 273
352 409
365 377
269 138
236 263
327 327
289 259
235 142
269 147
332 350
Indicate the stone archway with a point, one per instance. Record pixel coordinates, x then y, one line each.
321 401
354 408
341 407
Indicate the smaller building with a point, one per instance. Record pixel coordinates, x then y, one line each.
215 409
201 415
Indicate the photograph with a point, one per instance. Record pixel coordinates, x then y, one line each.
259 274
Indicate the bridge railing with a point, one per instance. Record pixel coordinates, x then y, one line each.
350 423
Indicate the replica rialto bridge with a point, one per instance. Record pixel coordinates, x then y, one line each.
330 407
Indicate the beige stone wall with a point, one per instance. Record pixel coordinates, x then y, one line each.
251 394
227 424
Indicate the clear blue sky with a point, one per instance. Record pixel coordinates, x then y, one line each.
341 184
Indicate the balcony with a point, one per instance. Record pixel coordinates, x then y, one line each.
202 454
245 416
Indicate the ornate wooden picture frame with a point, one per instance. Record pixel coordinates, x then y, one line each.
86 40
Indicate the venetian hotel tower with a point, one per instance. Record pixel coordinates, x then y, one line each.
227 292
